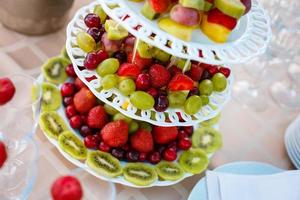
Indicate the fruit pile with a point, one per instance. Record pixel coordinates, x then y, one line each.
217 18
148 76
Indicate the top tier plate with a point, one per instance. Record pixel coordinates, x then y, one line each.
249 39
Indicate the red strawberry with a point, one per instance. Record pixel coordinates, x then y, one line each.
7 90
181 82
216 16
142 141
195 72
129 69
164 135
160 6
66 188
3 154
139 61
174 70
97 117
225 71
115 134
159 75
212 69
84 100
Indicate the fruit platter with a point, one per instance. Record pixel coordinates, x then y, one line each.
113 147
142 81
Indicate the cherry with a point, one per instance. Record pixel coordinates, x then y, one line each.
76 122
91 141
91 61
212 70
173 145
188 129
70 71
83 119
182 134
132 156
142 157
103 147
170 154
86 131
102 55
161 103
184 143
79 84
205 75
120 55
68 89
153 92
161 149
154 157
71 111
95 33
68 101
118 153
143 82
225 71
92 20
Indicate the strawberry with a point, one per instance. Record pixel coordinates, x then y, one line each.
216 16
160 6
174 70
164 135
7 90
66 188
97 117
142 141
181 82
212 69
225 71
3 154
84 101
195 72
139 61
115 134
129 69
159 76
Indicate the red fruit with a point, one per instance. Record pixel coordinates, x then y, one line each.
76 122
182 134
91 61
161 103
104 147
181 82
102 55
173 145
96 33
195 72
79 84
225 71
142 157
83 119
85 131
142 141
216 16
68 89
170 154
84 101
129 44
71 111
70 71
164 135
247 4
184 143
138 60
129 69
91 141
153 92
97 117
66 188
68 101
143 82
154 157
132 156
212 70
159 75
115 134
160 6
188 129
7 90
3 154
174 70
92 20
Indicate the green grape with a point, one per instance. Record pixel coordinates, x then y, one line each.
206 87
109 81
192 105
177 99
86 42
100 12
145 126
108 66
219 82
133 126
120 116
110 110
144 50
127 86
204 99
142 100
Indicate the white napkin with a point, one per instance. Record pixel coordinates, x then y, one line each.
280 186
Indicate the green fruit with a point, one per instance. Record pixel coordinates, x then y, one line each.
142 100
207 139
160 55
54 70
86 42
212 121
144 49
193 161
114 30
110 110
120 116
177 99
72 145
64 53
169 171
219 82
233 8
207 6
108 66
133 127
206 87
109 81
182 63
196 4
98 10
145 126
192 105
127 87
51 97
149 12
104 163
139 174
204 99
52 124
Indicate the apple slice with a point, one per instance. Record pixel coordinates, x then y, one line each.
216 16
233 8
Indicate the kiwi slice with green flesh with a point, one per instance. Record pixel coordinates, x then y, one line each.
51 97
114 30
104 163
52 124
54 70
193 161
196 4
139 174
98 10
169 171
72 145
233 8
144 49
160 55
64 53
211 121
149 12
207 139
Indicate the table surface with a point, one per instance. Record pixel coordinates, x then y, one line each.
247 135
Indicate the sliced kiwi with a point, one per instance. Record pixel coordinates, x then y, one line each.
160 55
52 124
193 161
51 97
169 171
114 30
64 53
54 70
72 145
196 4
207 139
139 174
233 8
211 121
149 12
104 163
